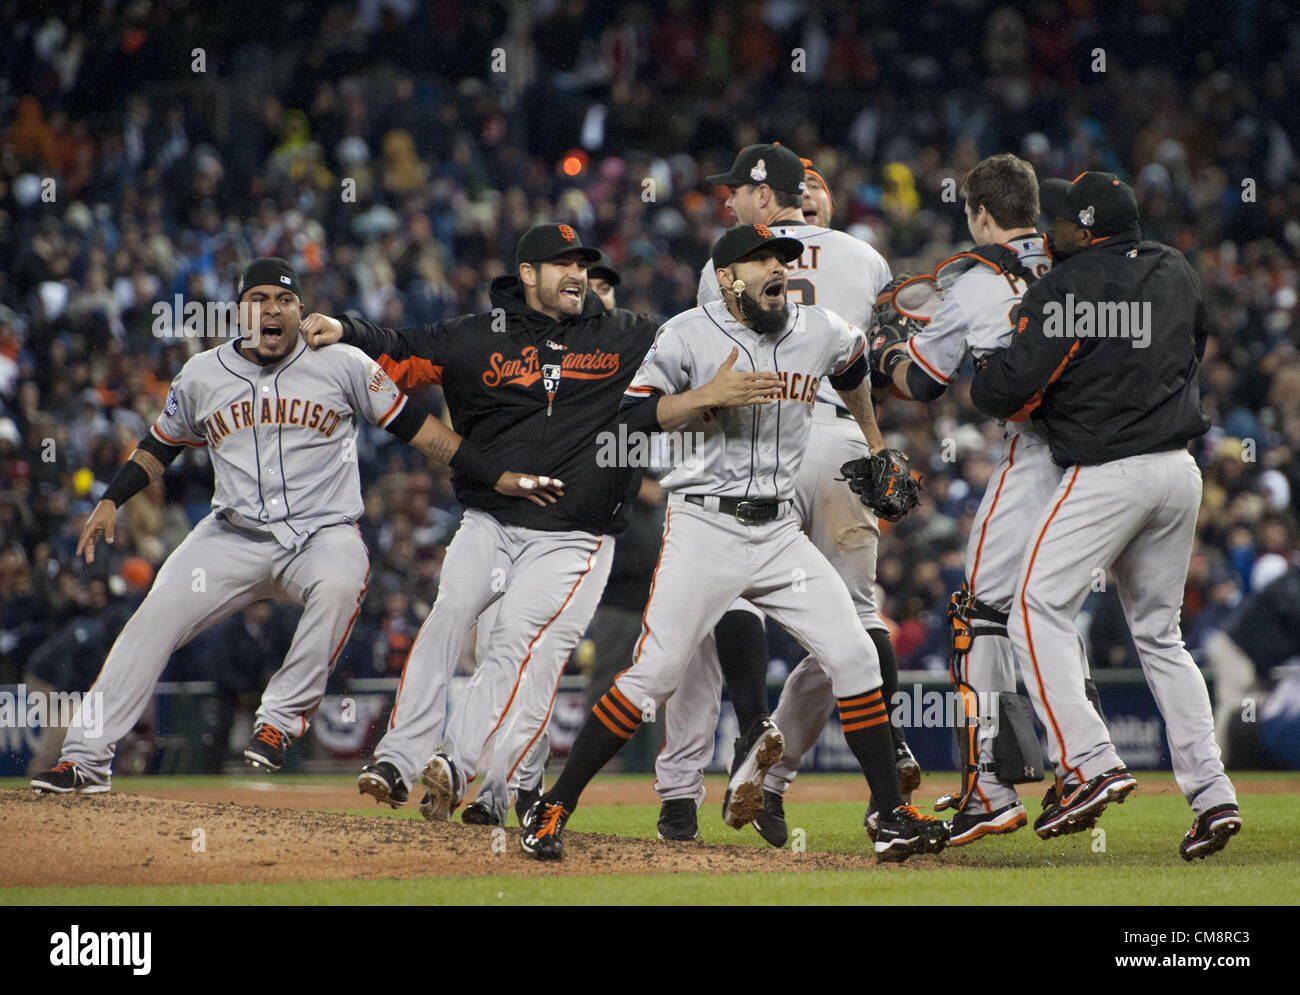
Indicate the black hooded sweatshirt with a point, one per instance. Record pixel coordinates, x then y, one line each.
531 393
1106 354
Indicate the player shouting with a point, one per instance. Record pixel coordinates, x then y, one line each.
771 185
745 372
536 378
280 424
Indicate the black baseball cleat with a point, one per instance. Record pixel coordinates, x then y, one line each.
771 821
382 782
542 836
756 751
909 771
1210 832
267 747
66 778
969 826
478 814
1079 805
677 821
905 832
446 786
524 800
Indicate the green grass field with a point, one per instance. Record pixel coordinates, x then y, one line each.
1134 861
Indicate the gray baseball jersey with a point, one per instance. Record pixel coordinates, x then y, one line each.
750 452
288 491
282 439
844 275
708 558
835 271
974 316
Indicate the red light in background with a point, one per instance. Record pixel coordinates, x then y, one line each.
573 163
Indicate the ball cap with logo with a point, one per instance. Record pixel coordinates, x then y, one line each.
774 165
737 243
1099 202
542 242
268 270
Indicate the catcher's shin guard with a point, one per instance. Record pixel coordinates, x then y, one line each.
963 610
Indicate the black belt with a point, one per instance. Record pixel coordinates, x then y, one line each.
744 511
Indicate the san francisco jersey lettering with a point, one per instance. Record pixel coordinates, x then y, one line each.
750 452
281 438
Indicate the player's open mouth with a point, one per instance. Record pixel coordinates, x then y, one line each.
810 215
573 293
774 290
271 333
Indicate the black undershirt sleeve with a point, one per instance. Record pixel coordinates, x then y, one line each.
852 376
921 385
408 421
640 414
158 449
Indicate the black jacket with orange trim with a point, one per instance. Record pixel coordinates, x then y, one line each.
1106 354
533 394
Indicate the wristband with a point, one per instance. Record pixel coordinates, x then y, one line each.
130 480
890 362
468 461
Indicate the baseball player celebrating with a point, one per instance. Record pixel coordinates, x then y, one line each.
744 372
280 423
1108 347
771 185
537 377
970 299
489 688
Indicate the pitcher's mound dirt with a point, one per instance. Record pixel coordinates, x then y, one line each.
118 839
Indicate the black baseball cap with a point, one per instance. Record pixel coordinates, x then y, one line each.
268 270
603 269
542 242
774 165
736 243
1099 202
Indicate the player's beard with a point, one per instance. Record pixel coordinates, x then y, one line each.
563 303
763 320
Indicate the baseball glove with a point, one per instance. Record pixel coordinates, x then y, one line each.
883 311
884 483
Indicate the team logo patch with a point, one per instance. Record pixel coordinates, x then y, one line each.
759 172
378 378
567 233
1087 216
552 344
286 281
650 355
877 342
763 230
172 405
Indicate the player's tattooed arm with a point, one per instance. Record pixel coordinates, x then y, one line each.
442 445
729 388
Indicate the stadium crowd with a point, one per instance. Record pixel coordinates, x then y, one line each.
394 151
